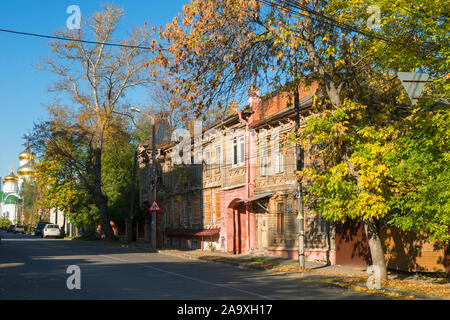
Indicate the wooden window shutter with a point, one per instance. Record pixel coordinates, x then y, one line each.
217 208
177 213
185 213
208 210
169 213
196 207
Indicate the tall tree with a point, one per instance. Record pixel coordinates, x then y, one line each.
95 78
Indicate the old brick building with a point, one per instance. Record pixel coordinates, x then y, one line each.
236 191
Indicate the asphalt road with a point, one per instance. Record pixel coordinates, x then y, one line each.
35 268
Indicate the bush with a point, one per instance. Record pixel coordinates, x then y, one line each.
5 223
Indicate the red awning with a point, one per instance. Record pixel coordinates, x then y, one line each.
192 233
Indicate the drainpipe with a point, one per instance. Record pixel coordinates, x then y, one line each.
247 191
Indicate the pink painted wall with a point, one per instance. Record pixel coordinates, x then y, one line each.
226 217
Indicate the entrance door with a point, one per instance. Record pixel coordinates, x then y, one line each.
262 233
241 231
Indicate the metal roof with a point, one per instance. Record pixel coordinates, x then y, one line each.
256 197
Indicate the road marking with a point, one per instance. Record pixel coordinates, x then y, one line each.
10 265
194 279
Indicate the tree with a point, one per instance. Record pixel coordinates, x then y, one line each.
95 78
30 195
5 223
223 47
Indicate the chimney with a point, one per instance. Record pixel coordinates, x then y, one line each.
253 97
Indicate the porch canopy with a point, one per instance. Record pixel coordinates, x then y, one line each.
256 197
192 233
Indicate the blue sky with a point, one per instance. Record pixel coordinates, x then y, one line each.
22 88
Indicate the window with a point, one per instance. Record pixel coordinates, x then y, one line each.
280 217
218 159
238 151
235 152
264 160
279 161
241 150
321 224
277 152
208 162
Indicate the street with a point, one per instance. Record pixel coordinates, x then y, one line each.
35 268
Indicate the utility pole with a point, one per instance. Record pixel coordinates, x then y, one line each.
300 211
155 181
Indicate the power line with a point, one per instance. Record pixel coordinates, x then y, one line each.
292 6
80 40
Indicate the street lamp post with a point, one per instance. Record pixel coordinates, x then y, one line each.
155 179
154 174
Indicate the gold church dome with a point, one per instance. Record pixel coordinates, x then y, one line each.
11 178
27 155
25 171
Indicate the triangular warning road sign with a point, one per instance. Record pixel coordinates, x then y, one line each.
154 207
413 82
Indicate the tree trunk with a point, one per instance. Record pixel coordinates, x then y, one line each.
372 228
102 205
101 201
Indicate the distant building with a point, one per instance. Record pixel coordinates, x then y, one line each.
10 198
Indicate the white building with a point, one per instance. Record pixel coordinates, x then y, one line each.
10 198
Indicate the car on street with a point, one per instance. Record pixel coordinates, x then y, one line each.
10 228
39 228
19 229
51 230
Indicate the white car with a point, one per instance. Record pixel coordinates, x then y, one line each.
51 230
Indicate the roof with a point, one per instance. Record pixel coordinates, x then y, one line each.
11 200
256 197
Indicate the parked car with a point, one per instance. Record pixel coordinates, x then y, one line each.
51 230
39 228
19 229
10 228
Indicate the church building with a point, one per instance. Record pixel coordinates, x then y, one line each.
10 194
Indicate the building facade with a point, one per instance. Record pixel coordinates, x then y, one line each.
241 196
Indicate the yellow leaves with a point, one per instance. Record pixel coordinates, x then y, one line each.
339 172
280 56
